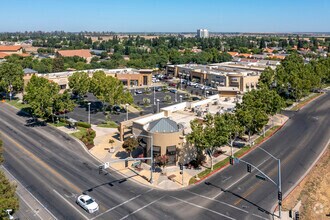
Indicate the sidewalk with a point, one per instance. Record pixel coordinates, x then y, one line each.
171 177
31 207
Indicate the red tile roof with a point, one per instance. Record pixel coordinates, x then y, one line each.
233 53
3 55
72 53
9 48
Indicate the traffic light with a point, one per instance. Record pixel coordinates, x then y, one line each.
100 169
249 168
297 215
290 213
126 163
181 166
280 196
231 160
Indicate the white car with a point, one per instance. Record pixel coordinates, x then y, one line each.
87 203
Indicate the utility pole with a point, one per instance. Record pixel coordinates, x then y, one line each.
127 111
89 112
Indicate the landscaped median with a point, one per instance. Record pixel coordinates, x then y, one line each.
244 150
306 101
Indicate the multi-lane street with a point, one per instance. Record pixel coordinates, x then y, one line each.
55 169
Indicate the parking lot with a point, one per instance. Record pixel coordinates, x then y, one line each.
97 116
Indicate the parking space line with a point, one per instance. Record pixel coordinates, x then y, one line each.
201 207
224 203
123 203
142 208
85 217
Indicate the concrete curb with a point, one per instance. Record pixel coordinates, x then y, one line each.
251 149
85 149
285 195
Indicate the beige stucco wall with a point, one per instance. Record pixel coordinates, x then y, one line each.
166 139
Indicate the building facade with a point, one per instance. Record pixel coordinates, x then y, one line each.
202 33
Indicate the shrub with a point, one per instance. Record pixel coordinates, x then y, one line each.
83 124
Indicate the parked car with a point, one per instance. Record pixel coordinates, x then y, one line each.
116 108
172 84
195 98
192 83
158 89
138 92
87 203
173 91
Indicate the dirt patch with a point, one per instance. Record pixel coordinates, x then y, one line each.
313 191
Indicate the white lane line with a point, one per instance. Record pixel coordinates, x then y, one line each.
34 212
85 217
260 216
142 208
234 183
201 207
123 203
217 201
25 189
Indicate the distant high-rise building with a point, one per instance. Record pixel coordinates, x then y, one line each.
202 33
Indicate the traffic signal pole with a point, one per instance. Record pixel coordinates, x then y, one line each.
278 183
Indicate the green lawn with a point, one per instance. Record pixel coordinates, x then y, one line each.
16 103
238 154
109 124
59 124
80 133
301 104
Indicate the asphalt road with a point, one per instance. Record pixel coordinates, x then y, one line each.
56 169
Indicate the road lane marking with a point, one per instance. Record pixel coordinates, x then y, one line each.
201 207
123 203
217 201
234 183
142 208
43 164
260 216
69 203
21 196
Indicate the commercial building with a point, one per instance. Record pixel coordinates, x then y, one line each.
9 50
202 33
232 78
164 134
86 54
129 76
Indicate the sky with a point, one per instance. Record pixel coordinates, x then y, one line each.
165 15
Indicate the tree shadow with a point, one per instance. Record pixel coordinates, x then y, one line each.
239 196
118 181
33 122
25 112
122 154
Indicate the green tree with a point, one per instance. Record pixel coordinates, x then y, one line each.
63 102
58 65
11 77
197 138
8 198
167 98
79 82
41 94
130 144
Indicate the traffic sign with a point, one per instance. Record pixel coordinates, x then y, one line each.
106 165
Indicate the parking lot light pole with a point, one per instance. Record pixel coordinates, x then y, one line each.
127 111
154 95
157 105
176 96
180 98
89 112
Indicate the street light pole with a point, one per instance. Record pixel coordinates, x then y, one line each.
89 112
126 112
279 181
176 96
151 156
